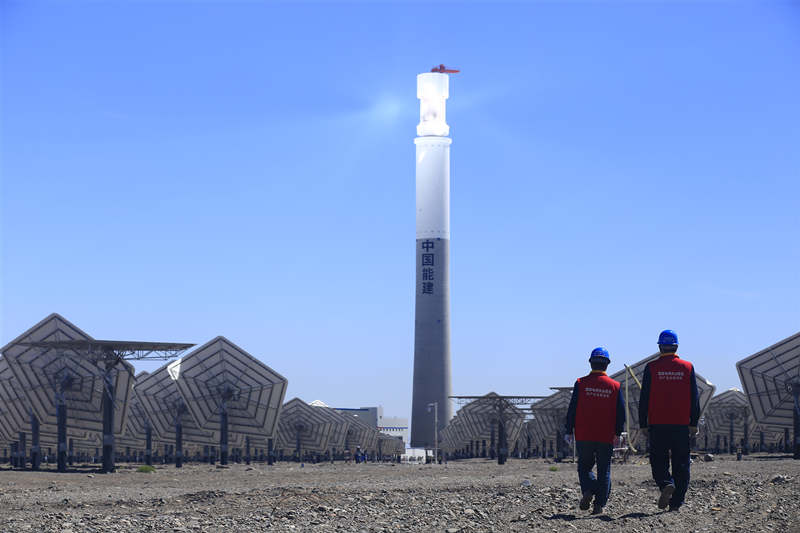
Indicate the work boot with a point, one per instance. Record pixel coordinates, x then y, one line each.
674 508
587 498
597 509
666 494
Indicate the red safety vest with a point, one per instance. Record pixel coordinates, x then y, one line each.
596 415
670 399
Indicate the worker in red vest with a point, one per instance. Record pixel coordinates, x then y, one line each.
597 414
669 408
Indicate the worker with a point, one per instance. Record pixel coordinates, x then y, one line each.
596 414
669 408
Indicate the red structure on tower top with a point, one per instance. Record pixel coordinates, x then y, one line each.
444 70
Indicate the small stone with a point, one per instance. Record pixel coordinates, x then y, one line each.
526 483
469 512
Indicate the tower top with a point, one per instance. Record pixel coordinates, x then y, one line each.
433 89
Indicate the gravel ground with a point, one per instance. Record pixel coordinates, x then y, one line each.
465 496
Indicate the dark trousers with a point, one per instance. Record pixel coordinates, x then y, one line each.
588 453
674 440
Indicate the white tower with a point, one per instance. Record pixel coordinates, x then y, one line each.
432 311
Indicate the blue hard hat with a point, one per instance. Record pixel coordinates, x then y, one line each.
668 337
600 353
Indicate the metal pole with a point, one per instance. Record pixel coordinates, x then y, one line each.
435 432
36 454
270 453
108 419
23 452
559 446
148 444
61 420
731 444
435 406
746 444
501 441
627 414
223 434
796 419
247 450
178 442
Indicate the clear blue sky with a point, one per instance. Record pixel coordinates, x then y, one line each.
176 171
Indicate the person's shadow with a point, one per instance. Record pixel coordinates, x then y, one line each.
601 517
561 516
636 515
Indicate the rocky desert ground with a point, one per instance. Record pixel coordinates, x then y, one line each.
757 494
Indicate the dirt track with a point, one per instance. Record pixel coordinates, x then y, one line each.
467 496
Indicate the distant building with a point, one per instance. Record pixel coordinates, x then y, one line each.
391 425
369 415
394 426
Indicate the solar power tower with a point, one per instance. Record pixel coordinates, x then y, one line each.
728 420
302 427
771 381
630 379
61 369
226 388
432 372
